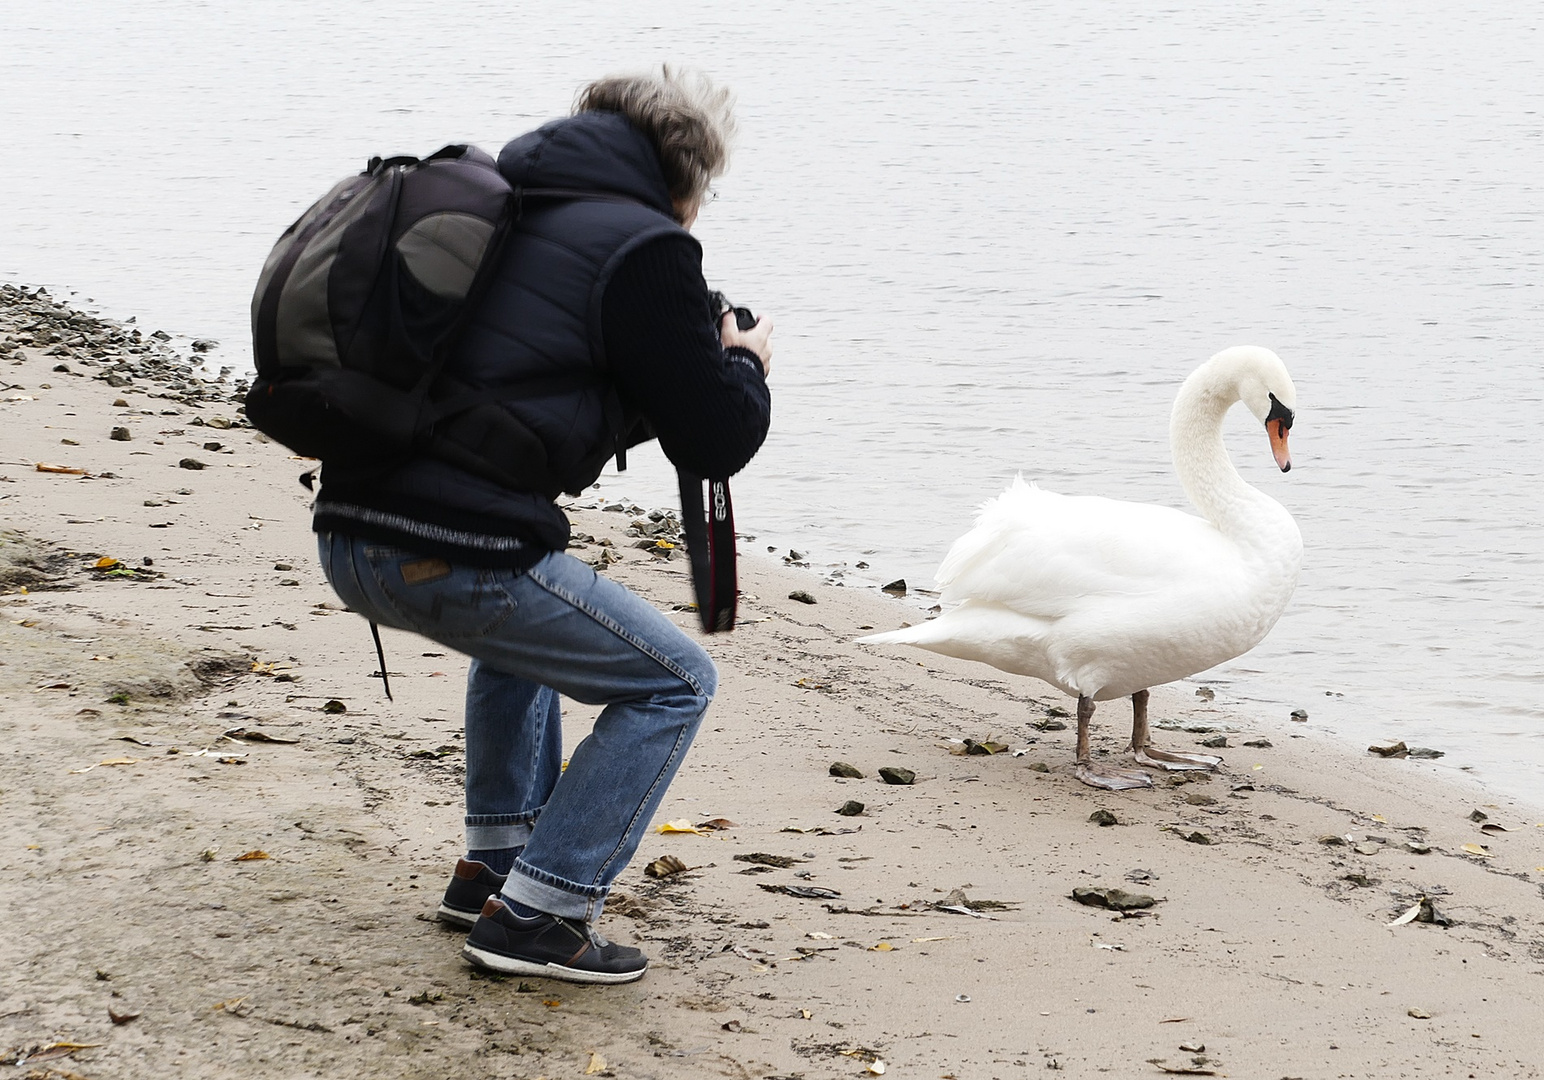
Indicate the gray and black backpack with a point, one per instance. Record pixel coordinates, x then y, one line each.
360 300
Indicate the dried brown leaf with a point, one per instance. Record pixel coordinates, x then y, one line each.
664 866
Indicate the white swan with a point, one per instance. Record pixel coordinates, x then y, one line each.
1103 599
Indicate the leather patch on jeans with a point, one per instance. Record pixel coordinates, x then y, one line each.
420 571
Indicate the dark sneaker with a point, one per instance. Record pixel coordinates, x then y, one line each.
471 885
549 947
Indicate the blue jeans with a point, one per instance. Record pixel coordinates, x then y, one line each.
557 628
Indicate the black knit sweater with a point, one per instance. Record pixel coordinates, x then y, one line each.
709 406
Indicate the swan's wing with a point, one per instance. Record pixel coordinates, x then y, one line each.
1044 554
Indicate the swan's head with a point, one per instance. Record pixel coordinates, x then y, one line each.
1260 380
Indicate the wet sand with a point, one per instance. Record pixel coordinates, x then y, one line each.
128 801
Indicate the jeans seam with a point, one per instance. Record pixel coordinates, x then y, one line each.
527 817
675 752
353 570
616 628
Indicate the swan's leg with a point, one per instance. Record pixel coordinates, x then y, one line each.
1101 776
1151 755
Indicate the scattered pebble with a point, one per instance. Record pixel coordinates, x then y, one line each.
801 596
891 774
850 808
1113 899
841 768
1103 818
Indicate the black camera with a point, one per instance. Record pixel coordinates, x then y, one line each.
721 305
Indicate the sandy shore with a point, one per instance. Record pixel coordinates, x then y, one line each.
132 810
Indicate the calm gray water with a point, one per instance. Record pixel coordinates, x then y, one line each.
994 239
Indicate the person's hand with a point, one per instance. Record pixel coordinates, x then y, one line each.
758 339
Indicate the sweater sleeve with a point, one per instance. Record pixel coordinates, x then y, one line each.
710 406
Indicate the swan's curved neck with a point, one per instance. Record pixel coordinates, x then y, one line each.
1201 460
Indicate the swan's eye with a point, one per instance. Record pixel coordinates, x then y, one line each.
1279 412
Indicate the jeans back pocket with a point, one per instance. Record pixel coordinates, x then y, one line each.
438 598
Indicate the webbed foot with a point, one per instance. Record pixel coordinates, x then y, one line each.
1175 761
1102 776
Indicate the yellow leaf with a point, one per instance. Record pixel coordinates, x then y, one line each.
251 856
106 562
1380 819
227 1005
681 825
552 1003
597 1064
883 946
1477 849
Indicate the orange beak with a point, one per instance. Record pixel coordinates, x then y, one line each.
1277 429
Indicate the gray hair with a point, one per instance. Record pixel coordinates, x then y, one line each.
689 120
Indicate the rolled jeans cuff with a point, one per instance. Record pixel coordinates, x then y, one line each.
554 895
490 832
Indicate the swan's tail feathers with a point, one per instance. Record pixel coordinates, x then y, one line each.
906 635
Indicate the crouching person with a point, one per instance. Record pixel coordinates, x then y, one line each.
597 322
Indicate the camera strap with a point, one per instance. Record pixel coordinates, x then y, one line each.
710 544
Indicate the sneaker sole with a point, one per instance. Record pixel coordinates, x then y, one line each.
508 965
459 918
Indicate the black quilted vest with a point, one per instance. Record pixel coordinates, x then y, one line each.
534 343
